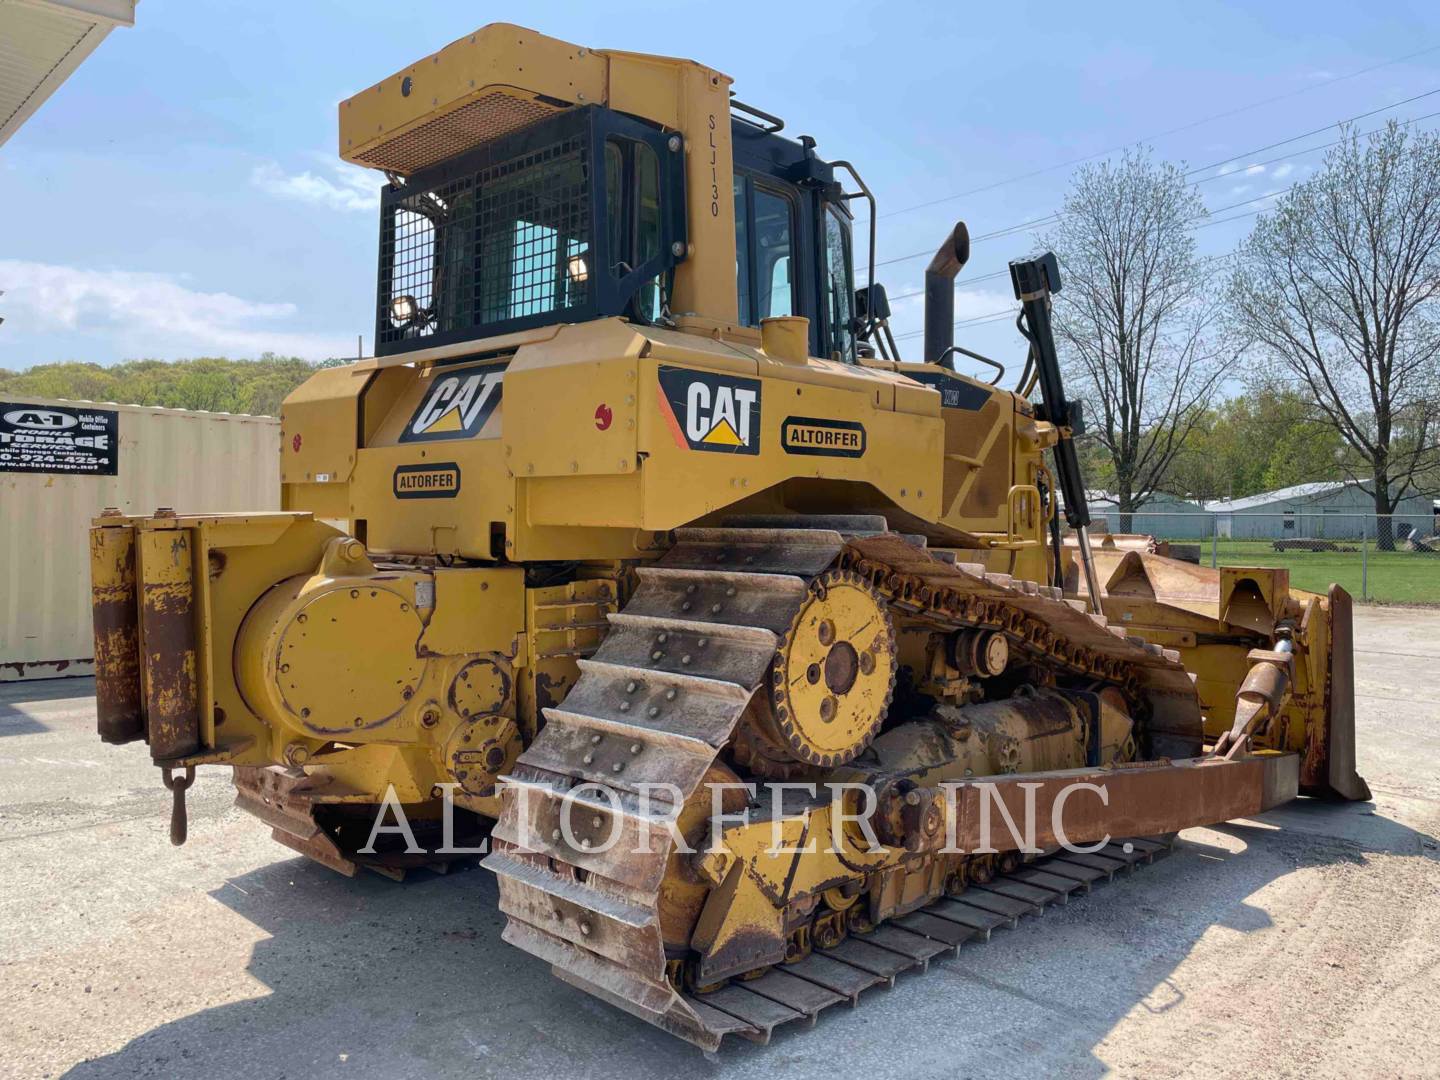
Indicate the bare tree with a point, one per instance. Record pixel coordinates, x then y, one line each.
1334 288
1137 318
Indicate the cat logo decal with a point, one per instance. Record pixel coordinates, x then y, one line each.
457 405
708 411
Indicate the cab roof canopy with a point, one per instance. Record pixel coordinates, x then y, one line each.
500 79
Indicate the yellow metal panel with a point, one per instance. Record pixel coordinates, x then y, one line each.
321 419
650 86
206 462
900 464
476 610
581 420
452 525
589 502
433 401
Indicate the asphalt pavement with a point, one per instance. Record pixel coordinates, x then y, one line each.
1303 943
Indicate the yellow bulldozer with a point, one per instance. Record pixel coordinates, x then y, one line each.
637 556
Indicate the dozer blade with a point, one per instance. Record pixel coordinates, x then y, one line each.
1342 781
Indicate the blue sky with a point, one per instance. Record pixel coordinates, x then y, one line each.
180 195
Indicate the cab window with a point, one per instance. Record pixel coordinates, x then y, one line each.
764 251
742 248
773 254
839 293
632 210
647 226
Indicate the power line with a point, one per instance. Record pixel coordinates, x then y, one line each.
1163 134
978 239
1006 272
1301 153
1243 202
1316 131
1233 217
977 320
1010 229
965 286
998 316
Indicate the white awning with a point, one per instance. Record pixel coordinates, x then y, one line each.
42 42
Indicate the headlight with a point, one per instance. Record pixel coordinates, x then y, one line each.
578 270
403 310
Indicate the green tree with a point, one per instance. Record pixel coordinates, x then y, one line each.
1136 321
212 383
1261 440
1337 290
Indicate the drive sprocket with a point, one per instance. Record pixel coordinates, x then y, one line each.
833 675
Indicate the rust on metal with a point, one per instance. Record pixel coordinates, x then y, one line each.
1140 800
281 798
1330 760
115 605
167 630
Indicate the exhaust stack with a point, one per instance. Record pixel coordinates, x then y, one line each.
954 253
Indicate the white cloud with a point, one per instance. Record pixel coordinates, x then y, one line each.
352 188
1253 170
1226 169
974 303
1282 170
1239 189
152 314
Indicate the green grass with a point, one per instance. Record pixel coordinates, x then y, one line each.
1393 577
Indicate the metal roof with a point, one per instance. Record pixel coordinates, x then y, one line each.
42 42
1289 494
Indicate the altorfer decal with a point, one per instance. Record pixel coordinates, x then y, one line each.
821 437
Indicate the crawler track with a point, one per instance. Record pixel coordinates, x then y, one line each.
661 699
794 993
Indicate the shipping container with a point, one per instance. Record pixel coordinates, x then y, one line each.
62 463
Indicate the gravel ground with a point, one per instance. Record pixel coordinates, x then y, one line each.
1303 943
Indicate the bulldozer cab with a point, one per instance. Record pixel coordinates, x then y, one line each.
583 216
793 253
577 217
534 183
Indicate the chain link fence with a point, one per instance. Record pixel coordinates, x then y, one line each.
1389 559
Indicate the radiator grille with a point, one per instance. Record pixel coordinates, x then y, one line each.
483 120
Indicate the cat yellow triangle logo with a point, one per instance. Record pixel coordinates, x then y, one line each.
710 411
449 422
457 405
722 434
